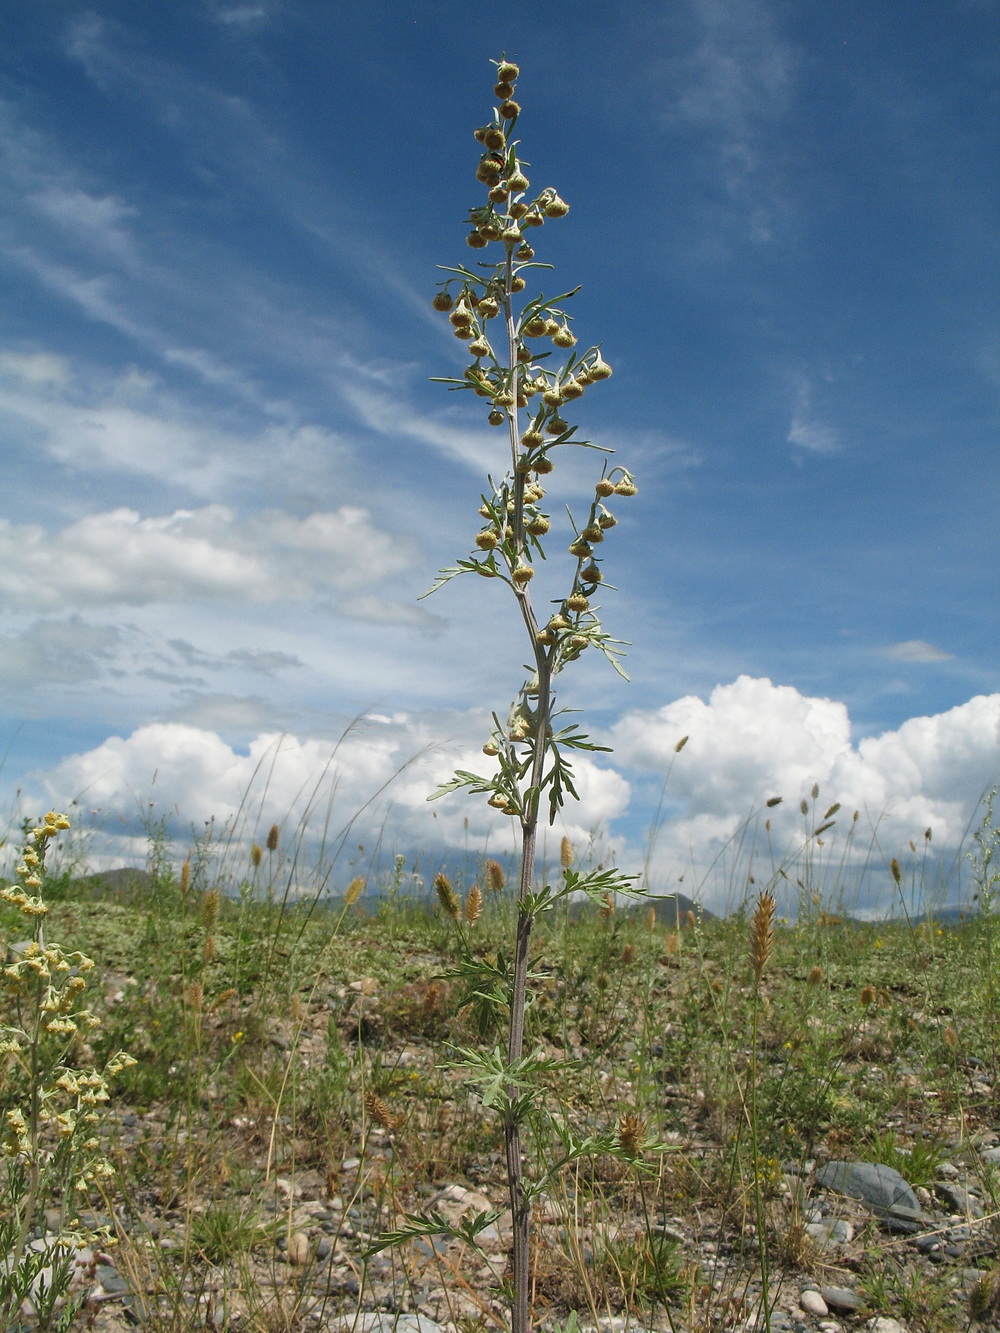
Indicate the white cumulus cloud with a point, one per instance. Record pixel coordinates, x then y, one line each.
751 741
120 558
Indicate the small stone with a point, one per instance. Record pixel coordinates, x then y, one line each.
813 1303
324 1248
298 1248
110 1281
959 1199
842 1299
884 1324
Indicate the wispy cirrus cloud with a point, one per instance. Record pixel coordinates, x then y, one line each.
807 431
916 650
733 89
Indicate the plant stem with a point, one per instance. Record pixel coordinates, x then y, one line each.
520 1205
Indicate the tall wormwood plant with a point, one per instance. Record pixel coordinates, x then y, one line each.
514 340
51 1158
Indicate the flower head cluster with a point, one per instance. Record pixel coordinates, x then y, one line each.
52 1130
515 342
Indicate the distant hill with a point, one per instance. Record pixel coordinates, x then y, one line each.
672 909
127 879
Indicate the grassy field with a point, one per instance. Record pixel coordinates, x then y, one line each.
299 1093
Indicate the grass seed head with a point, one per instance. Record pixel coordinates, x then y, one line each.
566 853
273 836
447 896
210 910
762 934
354 891
474 904
631 1135
495 877
378 1110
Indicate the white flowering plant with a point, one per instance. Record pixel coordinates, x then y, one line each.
52 1160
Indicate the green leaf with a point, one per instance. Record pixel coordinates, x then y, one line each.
461 779
434 1224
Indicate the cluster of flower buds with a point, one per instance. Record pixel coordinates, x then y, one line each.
505 218
30 868
526 365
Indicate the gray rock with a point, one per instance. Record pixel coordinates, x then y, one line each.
110 1281
813 1303
884 1324
959 1199
880 1188
374 1322
842 1298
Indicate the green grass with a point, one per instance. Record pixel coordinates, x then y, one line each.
250 1076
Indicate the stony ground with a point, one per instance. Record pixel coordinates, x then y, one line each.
235 1217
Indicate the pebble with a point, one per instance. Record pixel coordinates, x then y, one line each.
110 1281
884 1324
842 1299
298 1248
813 1303
374 1322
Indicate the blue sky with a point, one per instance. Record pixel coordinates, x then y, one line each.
227 478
